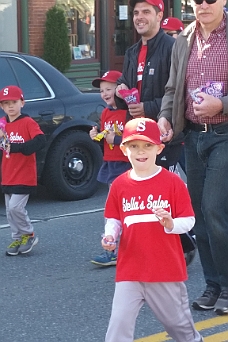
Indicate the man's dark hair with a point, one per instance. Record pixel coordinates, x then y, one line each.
132 3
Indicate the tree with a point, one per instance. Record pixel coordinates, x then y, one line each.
57 50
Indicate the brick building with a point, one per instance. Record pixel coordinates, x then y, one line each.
36 22
99 31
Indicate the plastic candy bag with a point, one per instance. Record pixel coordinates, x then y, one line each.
4 141
130 95
210 88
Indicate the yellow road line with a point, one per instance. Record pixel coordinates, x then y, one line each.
209 323
220 337
160 337
212 322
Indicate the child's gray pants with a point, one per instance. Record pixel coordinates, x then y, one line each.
168 301
17 215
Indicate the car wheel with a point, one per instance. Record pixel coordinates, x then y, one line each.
72 165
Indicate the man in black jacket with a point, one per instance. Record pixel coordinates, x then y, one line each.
147 63
146 67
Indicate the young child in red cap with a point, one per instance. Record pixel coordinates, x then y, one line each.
172 26
112 124
149 207
18 168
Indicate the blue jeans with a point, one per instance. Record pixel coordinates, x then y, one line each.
207 179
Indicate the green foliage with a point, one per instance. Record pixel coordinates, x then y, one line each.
56 44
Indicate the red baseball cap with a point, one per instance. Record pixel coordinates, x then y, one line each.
157 3
172 24
142 129
109 76
12 93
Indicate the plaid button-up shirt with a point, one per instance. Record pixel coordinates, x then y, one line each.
207 62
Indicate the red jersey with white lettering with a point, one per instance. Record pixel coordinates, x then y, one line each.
146 252
141 66
109 117
20 169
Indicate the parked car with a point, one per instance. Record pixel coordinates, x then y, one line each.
69 163
188 16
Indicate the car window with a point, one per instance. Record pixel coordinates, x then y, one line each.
31 84
7 75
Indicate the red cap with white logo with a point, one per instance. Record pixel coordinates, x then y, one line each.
11 93
157 3
142 129
172 24
109 76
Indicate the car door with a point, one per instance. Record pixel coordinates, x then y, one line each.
40 100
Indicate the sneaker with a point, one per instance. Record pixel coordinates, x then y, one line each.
221 306
105 259
27 243
207 300
13 248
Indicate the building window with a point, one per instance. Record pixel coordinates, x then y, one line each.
8 25
81 27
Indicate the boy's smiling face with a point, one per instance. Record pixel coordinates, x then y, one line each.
107 91
12 108
142 156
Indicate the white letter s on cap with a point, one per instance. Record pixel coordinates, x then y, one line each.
6 91
141 126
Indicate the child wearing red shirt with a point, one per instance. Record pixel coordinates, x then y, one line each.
114 161
18 168
150 207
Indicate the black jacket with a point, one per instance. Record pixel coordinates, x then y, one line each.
155 75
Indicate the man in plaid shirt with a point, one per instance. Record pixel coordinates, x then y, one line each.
196 101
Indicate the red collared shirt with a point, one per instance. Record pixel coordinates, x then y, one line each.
208 61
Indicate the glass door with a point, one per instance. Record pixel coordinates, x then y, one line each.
122 32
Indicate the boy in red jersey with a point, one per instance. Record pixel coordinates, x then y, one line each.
19 175
150 207
114 162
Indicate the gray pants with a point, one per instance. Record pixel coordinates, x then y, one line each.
17 215
168 301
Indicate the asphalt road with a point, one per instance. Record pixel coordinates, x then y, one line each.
56 294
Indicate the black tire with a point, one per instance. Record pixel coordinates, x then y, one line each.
71 166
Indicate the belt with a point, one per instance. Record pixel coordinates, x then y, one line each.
204 127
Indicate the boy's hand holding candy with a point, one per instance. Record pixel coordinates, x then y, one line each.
1 133
93 132
132 99
108 242
164 217
108 134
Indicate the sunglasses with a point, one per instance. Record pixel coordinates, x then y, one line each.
209 2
